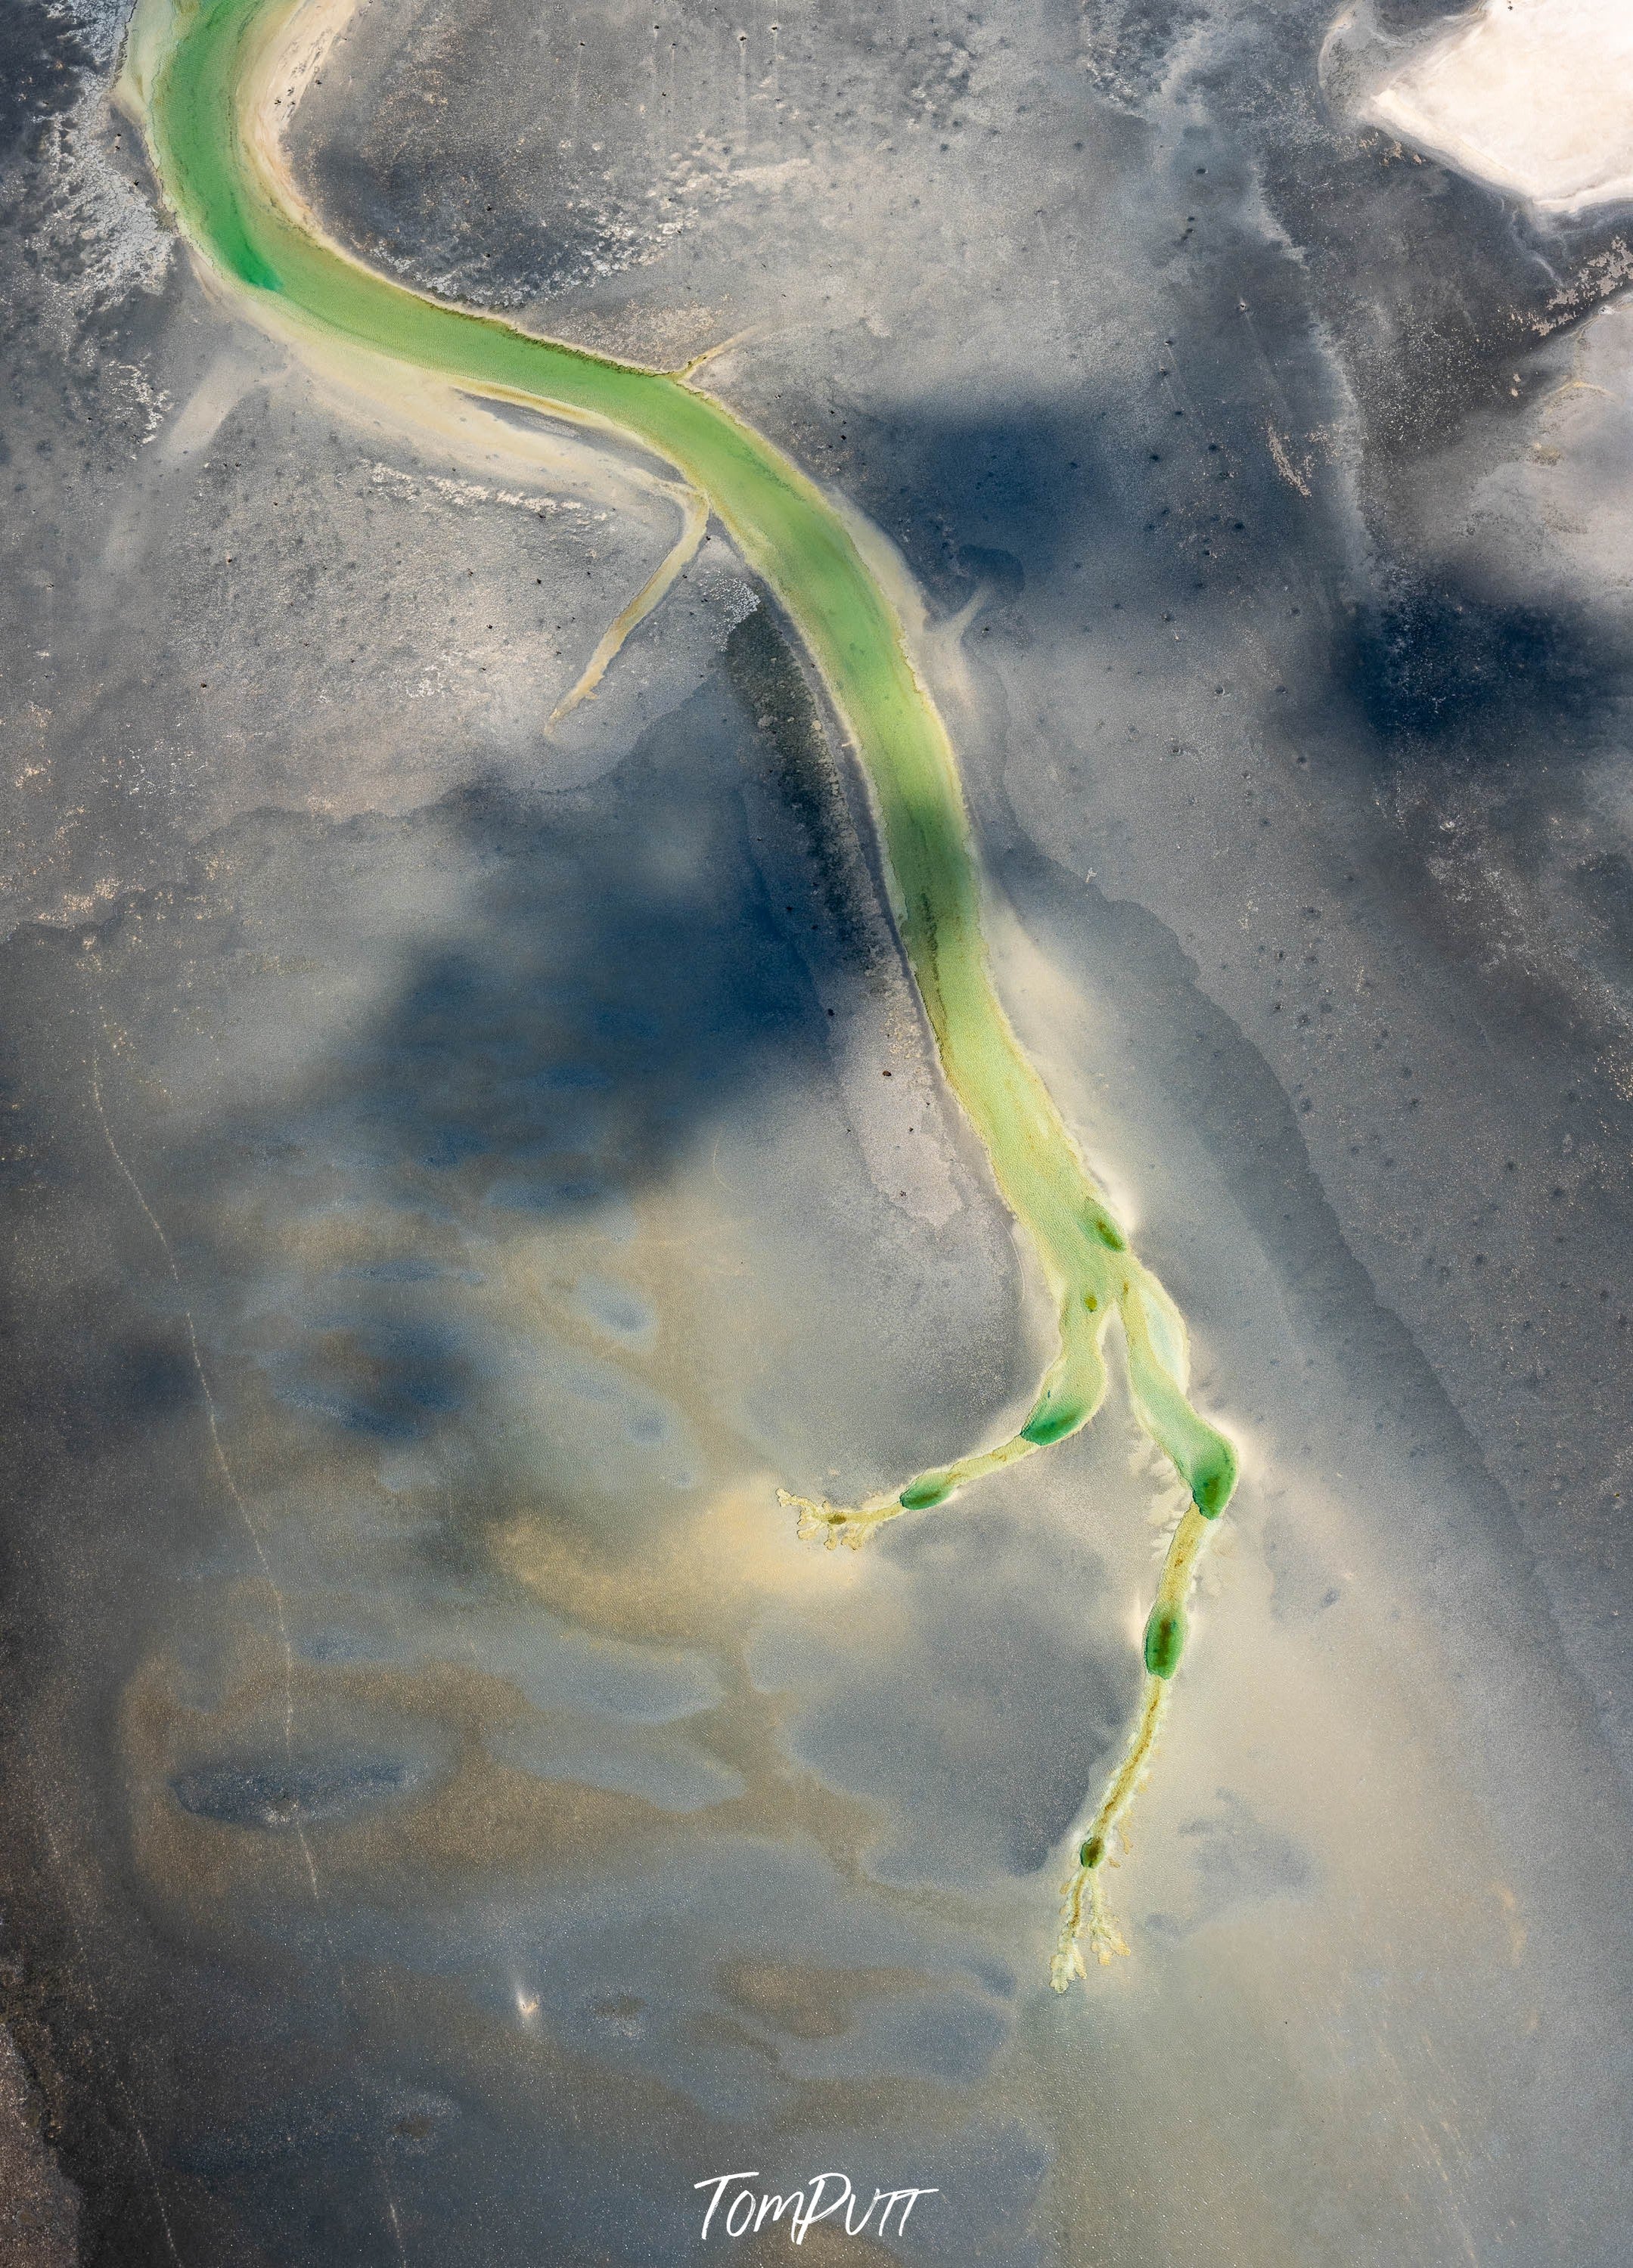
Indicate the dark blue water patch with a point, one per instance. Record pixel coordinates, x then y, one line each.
452 1144
449 985
571 1194
571 1078
616 1310
406 2119
408 1271
146 1379
569 1140
389 1380
134 1387
1452 673
625 1024
338 1643
278 1796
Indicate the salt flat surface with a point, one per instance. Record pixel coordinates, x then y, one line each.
1533 96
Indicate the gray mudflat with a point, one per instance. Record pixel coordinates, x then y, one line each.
451 1180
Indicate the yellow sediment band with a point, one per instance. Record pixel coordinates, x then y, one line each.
696 510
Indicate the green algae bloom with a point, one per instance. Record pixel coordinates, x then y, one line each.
1164 1640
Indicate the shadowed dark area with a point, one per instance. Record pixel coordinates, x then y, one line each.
1444 675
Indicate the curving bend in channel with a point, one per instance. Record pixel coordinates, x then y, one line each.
213 83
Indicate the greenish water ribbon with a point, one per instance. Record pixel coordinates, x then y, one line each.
195 71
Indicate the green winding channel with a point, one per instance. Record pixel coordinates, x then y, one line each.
193 76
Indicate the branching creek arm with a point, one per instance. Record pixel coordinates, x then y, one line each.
213 85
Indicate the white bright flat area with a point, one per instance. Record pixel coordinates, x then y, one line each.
1533 96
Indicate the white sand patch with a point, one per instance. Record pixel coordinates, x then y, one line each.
1533 96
